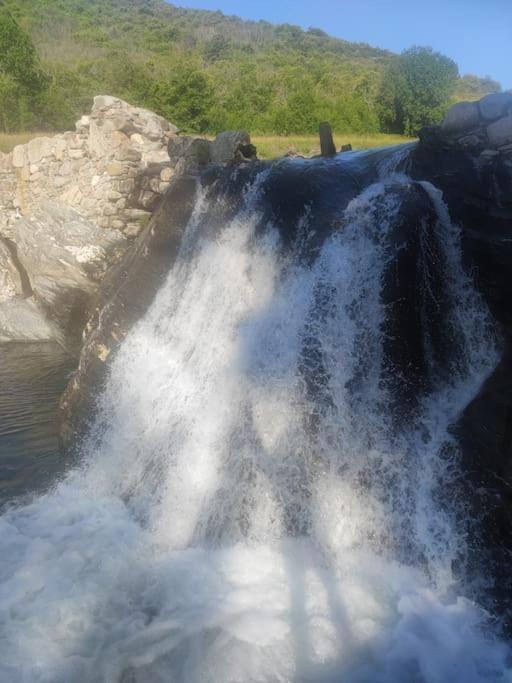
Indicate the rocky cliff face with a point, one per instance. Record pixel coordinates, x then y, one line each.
469 157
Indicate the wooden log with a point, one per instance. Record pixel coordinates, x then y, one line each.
327 146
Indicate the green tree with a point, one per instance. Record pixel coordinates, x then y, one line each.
21 79
186 98
416 90
18 57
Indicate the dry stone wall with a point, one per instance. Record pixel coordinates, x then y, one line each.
71 203
93 169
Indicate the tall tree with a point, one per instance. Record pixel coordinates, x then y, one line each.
18 57
416 90
21 79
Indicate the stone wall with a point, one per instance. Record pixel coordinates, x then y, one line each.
71 205
484 126
93 169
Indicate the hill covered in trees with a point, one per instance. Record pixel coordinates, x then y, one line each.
206 71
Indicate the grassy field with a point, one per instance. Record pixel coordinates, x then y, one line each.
269 146
9 141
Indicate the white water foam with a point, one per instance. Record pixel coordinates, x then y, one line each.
230 525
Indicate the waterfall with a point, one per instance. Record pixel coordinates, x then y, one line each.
256 502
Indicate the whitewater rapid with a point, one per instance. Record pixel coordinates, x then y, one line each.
246 509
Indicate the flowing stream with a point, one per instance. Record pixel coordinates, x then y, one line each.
250 505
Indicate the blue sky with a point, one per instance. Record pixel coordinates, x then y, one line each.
477 34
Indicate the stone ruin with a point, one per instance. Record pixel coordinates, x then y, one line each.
71 204
92 170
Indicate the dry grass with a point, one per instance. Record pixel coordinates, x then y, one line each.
269 146
272 146
9 140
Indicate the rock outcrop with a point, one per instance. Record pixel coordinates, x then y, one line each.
469 157
66 257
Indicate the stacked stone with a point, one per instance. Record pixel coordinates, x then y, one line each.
485 125
68 203
93 170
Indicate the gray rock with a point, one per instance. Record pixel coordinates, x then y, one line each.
65 258
495 106
460 118
500 132
24 320
11 285
226 146
188 153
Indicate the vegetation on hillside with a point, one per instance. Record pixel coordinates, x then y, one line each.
206 72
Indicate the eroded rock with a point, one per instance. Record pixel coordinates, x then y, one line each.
65 257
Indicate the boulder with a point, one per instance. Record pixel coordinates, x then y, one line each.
500 132
232 145
65 257
462 117
188 154
495 106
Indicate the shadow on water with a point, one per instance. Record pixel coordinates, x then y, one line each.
32 378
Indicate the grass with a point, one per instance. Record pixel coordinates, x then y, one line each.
269 146
272 146
9 140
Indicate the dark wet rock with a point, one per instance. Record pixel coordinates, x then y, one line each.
462 117
416 334
485 433
495 106
232 145
500 132
188 154
477 187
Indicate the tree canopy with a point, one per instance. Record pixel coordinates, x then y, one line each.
416 90
206 72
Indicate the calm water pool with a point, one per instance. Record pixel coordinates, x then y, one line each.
32 378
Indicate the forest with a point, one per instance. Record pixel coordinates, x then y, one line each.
207 72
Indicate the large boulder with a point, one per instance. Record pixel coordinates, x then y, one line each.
462 117
65 258
495 106
232 145
188 154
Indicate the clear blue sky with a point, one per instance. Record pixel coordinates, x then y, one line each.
477 34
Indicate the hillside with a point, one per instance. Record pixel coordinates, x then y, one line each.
204 70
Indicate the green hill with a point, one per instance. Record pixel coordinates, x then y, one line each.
203 70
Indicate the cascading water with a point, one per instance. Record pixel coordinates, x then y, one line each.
253 503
